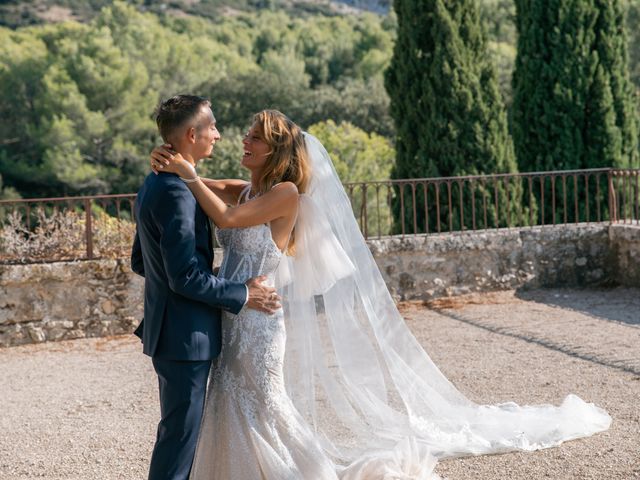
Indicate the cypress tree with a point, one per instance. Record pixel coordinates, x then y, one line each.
613 91
445 102
573 104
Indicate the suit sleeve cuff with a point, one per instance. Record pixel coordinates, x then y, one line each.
246 298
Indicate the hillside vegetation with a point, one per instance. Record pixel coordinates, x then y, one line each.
84 77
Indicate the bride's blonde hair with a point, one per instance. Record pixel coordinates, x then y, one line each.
287 160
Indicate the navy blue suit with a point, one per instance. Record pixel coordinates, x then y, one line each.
182 301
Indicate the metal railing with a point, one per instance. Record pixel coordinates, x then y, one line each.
624 192
480 202
89 227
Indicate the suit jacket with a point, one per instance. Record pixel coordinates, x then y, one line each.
172 250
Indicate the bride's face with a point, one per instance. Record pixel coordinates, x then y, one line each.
256 149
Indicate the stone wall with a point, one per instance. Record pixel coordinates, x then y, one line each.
424 267
625 244
67 300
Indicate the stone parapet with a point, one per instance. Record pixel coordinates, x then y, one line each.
67 300
429 266
625 244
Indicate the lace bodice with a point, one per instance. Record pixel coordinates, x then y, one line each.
248 252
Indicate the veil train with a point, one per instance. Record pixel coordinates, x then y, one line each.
353 369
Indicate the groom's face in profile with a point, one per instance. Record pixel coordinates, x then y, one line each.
204 134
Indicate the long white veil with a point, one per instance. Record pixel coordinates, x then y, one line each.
357 374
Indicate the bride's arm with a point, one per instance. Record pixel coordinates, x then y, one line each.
227 189
280 201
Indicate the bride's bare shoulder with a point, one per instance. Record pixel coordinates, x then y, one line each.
286 188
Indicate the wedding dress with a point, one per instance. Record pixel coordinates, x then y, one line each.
250 428
335 385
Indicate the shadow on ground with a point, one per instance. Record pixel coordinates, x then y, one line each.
619 304
569 321
566 349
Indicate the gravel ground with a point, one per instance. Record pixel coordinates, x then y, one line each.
87 409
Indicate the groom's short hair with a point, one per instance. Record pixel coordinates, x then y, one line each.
176 111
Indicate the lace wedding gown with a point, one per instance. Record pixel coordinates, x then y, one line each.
250 429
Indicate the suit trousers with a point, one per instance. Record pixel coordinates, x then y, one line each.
182 386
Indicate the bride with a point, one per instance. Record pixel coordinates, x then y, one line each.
333 385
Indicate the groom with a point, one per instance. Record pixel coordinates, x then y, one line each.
182 297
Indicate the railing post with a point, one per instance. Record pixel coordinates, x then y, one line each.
437 185
365 230
612 202
586 197
88 228
426 207
378 209
415 210
401 185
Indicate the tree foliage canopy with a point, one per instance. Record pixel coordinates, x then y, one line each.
574 104
449 115
78 118
78 95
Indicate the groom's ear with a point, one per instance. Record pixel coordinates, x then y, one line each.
191 135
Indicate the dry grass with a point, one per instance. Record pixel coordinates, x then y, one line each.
60 235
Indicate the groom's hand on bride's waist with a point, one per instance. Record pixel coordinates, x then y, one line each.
262 297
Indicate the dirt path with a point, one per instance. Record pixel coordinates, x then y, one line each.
88 408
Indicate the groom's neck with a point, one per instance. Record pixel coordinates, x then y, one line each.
188 157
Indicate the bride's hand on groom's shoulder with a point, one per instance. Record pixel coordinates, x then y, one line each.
164 159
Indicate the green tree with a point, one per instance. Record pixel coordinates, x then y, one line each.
23 63
447 109
237 98
498 17
365 104
82 117
64 118
78 118
360 157
633 20
8 193
573 102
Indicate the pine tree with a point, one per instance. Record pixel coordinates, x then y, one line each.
445 102
573 106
